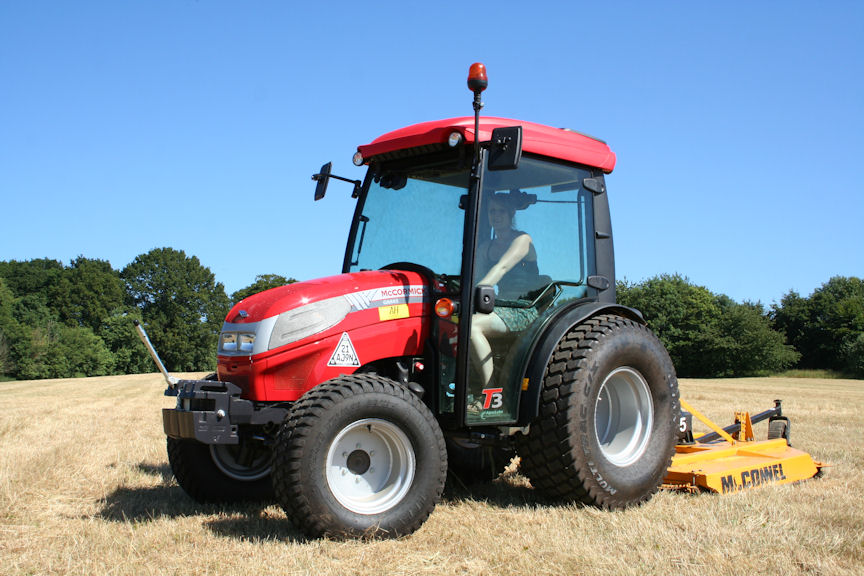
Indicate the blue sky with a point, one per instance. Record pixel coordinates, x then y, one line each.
125 126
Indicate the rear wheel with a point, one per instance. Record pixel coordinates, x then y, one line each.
222 473
605 434
359 455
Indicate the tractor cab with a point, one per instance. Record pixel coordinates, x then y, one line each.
426 204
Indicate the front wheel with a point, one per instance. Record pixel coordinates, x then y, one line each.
605 435
359 455
222 473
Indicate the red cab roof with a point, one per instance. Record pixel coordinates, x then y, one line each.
536 139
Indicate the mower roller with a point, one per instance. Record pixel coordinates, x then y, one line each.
730 459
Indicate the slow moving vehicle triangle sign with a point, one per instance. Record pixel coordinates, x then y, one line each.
344 354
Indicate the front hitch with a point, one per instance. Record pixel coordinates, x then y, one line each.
210 412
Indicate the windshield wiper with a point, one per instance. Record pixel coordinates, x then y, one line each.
364 220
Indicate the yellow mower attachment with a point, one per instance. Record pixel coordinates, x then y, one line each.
731 459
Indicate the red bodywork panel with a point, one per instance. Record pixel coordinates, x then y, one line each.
536 139
388 318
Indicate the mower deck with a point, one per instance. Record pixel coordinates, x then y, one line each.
721 467
730 465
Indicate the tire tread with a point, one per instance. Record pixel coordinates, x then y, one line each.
298 429
549 452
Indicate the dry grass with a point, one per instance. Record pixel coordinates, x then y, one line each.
85 488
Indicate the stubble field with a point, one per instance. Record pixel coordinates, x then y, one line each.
85 488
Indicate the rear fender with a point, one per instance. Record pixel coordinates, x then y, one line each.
557 327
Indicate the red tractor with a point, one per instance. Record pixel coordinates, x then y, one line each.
475 319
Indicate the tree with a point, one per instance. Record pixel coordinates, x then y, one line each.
31 276
40 346
8 328
683 316
838 308
853 352
33 335
262 282
751 347
76 352
792 317
87 292
119 334
828 327
706 334
181 304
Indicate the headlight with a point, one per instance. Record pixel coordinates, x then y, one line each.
234 342
228 342
247 341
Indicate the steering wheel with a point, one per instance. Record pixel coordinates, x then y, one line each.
410 267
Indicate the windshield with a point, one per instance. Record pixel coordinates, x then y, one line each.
412 215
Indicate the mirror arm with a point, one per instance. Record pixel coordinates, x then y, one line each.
357 183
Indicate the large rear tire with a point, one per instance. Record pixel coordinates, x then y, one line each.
605 434
359 455
222 473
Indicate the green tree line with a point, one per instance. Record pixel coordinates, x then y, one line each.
60 321
710 335
73 321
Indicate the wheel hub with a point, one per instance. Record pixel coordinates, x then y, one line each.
359 462
623 416
370 466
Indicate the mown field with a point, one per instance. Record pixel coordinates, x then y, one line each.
85 488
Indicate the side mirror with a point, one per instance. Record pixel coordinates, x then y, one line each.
323 177
505 149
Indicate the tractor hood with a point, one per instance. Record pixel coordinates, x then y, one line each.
288 314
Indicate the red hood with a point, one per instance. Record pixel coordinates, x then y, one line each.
277 300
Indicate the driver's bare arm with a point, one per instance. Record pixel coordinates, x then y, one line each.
515 253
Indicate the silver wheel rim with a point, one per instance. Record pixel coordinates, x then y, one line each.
623 416
236 463
370 466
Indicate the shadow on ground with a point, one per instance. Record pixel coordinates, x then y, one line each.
244 521
268 524
259 521
508 491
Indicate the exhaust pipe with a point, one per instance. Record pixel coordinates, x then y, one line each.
171 380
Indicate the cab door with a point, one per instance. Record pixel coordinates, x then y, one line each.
550 210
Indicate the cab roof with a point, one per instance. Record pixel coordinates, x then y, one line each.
557 143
